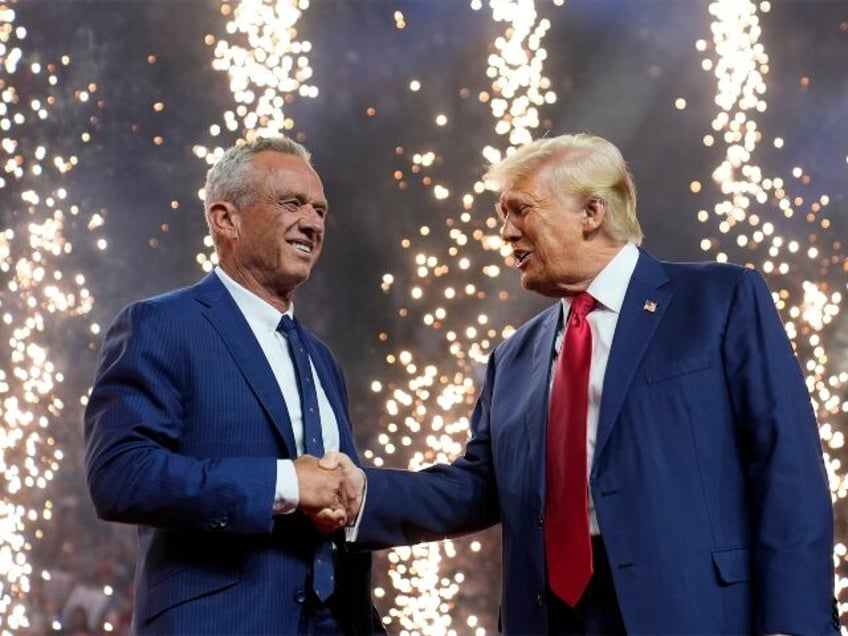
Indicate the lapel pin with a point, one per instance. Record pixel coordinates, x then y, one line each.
650 306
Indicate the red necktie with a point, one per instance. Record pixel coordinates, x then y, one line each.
568 544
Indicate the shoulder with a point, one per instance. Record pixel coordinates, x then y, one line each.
162 313
710 275
704 269
174 298
718 285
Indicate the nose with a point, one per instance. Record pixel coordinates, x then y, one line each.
311 219
509 232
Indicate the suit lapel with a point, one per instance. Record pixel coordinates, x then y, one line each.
537 407
225 316
635 329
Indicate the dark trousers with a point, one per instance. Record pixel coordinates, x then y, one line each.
597 613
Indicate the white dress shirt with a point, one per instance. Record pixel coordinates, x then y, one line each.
263 320
608 289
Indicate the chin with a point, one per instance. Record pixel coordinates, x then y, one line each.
297 270
292 279
529 283
541 287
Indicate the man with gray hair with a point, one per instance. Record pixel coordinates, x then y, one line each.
210 408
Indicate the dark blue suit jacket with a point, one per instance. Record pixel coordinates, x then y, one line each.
183 430
708 479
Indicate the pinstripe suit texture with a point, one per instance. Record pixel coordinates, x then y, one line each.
183 430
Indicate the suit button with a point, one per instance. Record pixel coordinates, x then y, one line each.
216 524
540 521
540 600
299 597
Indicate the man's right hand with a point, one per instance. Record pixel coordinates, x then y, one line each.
322 491
332 500
353 483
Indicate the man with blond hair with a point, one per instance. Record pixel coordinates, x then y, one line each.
647 443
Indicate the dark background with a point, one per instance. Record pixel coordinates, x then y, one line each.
616 66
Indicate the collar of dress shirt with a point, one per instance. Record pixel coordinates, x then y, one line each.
610 285
261 316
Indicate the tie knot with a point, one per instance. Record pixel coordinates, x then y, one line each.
286 324
582 304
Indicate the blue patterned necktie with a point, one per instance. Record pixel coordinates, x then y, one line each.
322 565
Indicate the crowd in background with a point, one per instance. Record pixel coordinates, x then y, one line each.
82 578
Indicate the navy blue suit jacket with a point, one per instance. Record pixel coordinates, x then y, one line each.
183 431
708 479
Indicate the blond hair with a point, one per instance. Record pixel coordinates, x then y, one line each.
583 165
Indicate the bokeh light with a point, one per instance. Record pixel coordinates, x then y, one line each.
42 291
781 225
373 88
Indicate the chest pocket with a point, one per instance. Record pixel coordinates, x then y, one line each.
677 368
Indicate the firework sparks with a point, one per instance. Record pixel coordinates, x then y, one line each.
268 67
451 285
770 222
426 413
34 244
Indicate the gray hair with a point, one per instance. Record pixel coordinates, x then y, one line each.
233 179
585 165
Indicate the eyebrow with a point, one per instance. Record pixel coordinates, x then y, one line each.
300 196
513 200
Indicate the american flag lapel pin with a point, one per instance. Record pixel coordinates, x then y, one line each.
650 306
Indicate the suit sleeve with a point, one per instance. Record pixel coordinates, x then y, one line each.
133 425
444 500
792 516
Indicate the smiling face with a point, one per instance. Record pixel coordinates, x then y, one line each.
271 244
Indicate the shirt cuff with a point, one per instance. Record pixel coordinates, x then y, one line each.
286 493
352 530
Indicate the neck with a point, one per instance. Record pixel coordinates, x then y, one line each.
279 301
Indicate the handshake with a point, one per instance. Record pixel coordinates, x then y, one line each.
330 490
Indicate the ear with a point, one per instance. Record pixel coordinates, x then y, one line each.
223 219
594 212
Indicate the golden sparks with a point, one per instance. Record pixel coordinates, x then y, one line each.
38 292
429 395
268 67
774 223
